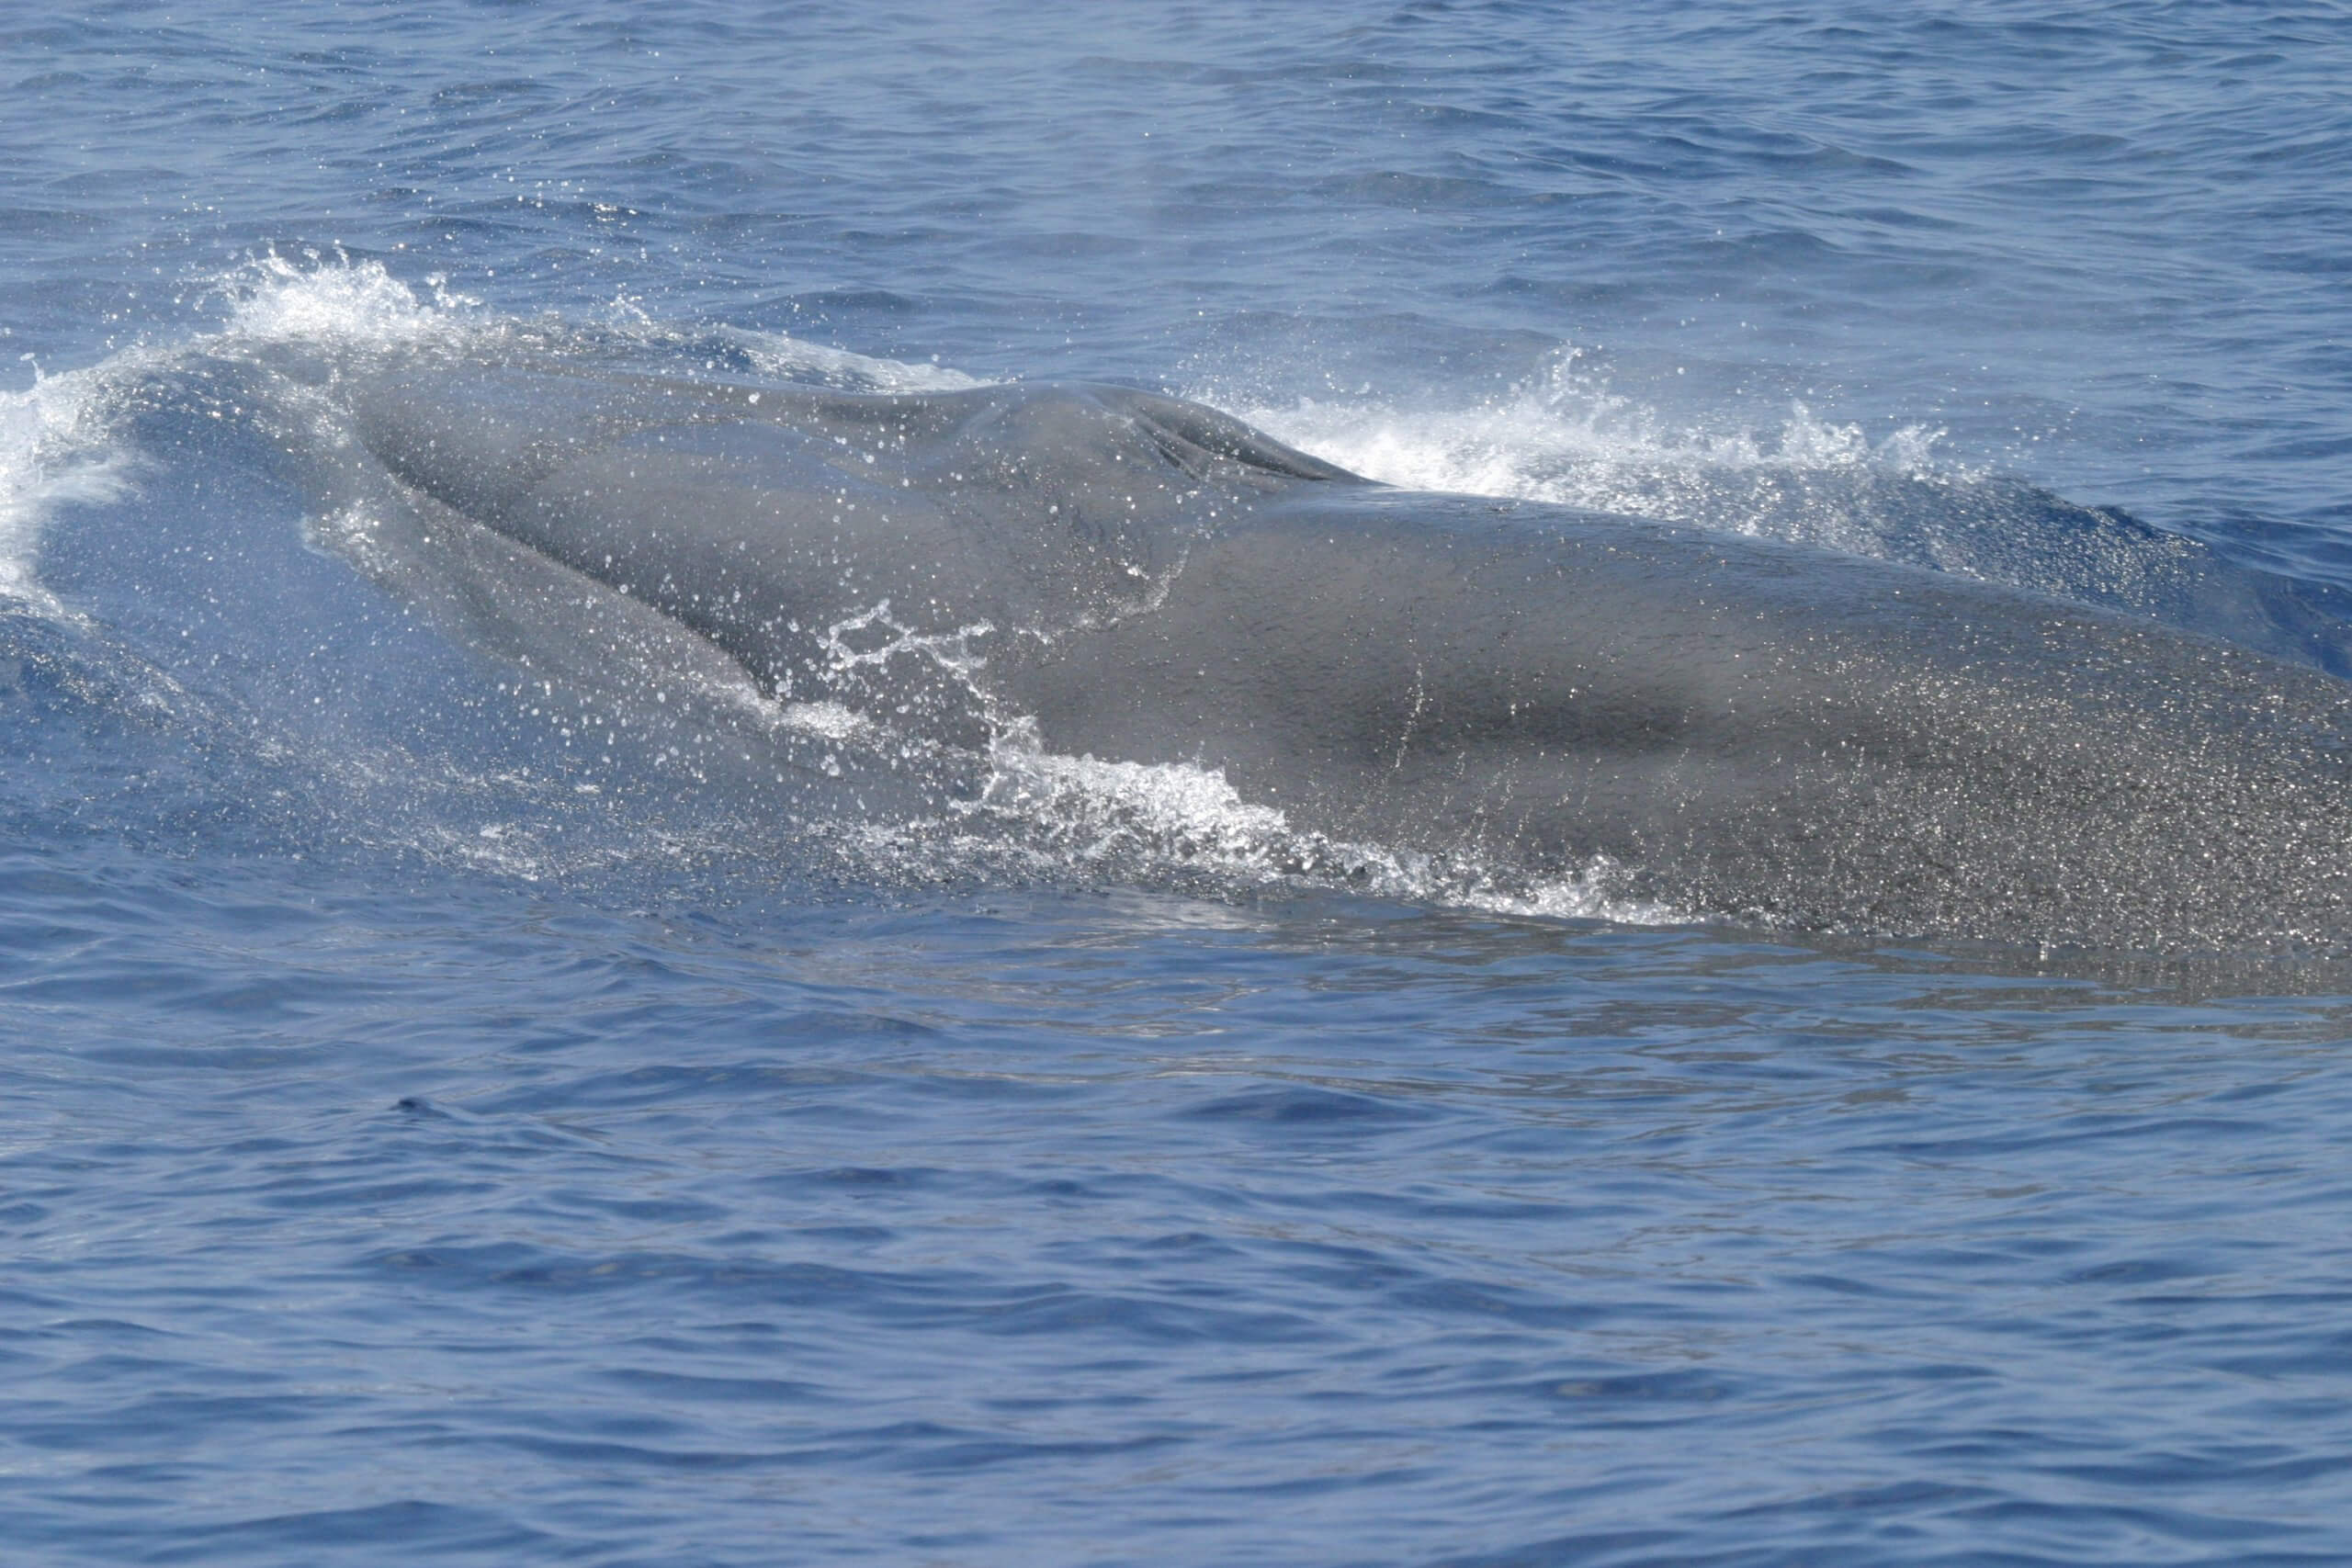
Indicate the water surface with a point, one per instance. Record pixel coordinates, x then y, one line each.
424 1135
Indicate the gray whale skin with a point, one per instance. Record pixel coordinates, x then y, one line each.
1737 729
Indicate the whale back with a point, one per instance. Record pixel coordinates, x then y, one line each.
1739 728
1723 726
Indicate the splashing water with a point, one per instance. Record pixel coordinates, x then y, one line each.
1098 812
274 300
57 448
1567 438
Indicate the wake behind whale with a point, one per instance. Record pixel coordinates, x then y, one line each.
1722 727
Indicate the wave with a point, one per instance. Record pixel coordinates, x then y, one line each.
1564 438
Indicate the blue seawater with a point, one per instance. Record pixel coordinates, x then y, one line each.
415 1149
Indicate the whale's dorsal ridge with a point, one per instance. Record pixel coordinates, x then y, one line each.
1191 434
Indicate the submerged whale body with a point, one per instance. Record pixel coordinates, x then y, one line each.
1731 727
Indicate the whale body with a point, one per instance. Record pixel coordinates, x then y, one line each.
1729 727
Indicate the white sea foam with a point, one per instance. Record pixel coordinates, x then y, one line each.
1565 437
344 303
1091 811
57 448
1098 808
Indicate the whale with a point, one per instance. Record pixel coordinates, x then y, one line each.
1735 728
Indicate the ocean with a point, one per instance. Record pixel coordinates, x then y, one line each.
439 1124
